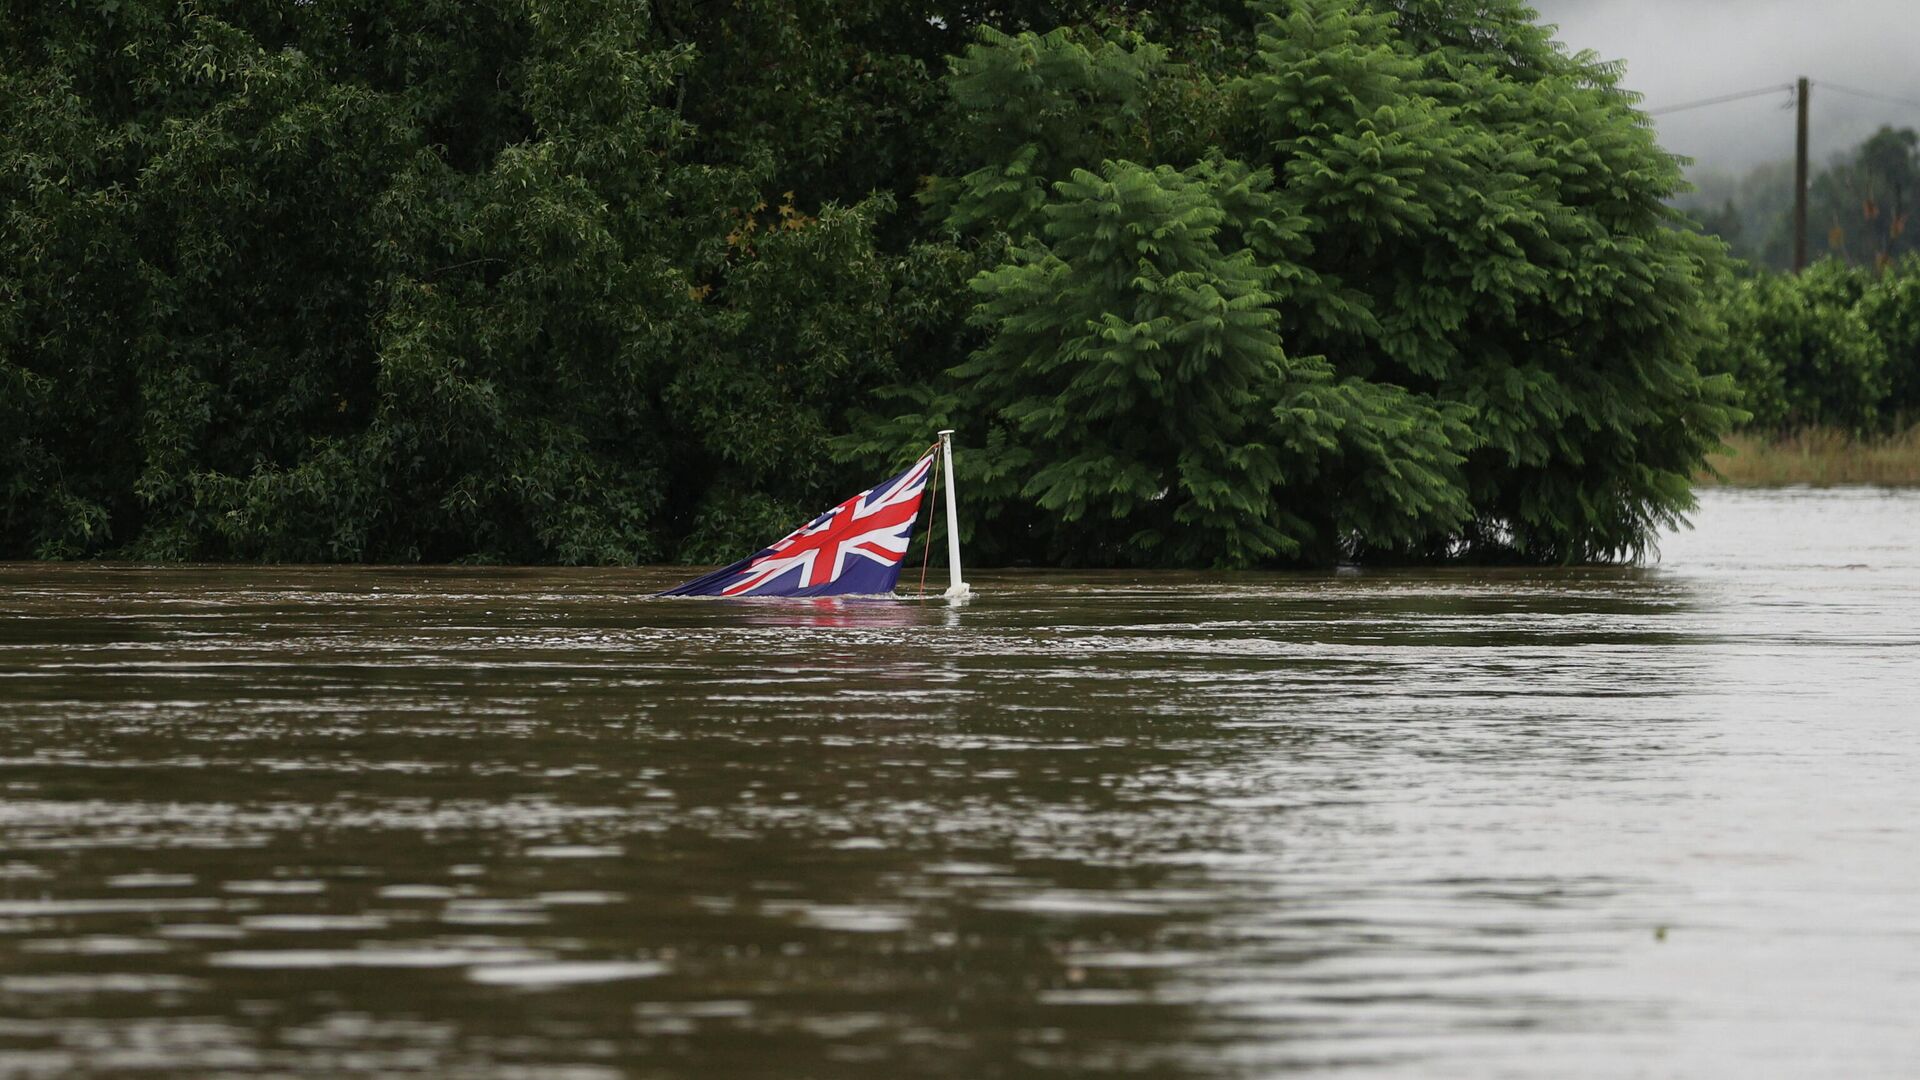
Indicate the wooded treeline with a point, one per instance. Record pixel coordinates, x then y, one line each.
1200 283
1860 206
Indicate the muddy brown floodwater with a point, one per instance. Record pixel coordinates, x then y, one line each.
529 823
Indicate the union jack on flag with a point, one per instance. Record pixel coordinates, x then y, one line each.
853 549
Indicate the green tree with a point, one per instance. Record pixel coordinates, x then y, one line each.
1860 205
1866 203
1132 365
1451 236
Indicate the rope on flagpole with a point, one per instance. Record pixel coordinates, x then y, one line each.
933 513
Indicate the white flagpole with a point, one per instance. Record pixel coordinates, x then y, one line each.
958 589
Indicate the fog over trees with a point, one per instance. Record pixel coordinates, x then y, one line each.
1864 105
1681 51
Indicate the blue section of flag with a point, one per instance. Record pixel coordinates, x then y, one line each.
854 549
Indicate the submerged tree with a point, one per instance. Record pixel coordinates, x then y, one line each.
1450 237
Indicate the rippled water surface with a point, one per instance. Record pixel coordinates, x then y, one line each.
500 823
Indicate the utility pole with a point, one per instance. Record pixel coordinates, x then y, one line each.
1800 183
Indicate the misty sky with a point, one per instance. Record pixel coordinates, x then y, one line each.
1678 51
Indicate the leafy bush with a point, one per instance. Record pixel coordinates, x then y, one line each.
1891 311
1834 347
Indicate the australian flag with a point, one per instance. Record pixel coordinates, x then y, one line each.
853 549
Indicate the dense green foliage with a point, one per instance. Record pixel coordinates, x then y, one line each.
1836 347
1366 286
348 280
596 281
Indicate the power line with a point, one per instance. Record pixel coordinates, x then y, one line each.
1868 94
1783 88
1802 91
1786 88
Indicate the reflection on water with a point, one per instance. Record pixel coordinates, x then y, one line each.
530 823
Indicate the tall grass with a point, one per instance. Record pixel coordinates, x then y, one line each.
1819 457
